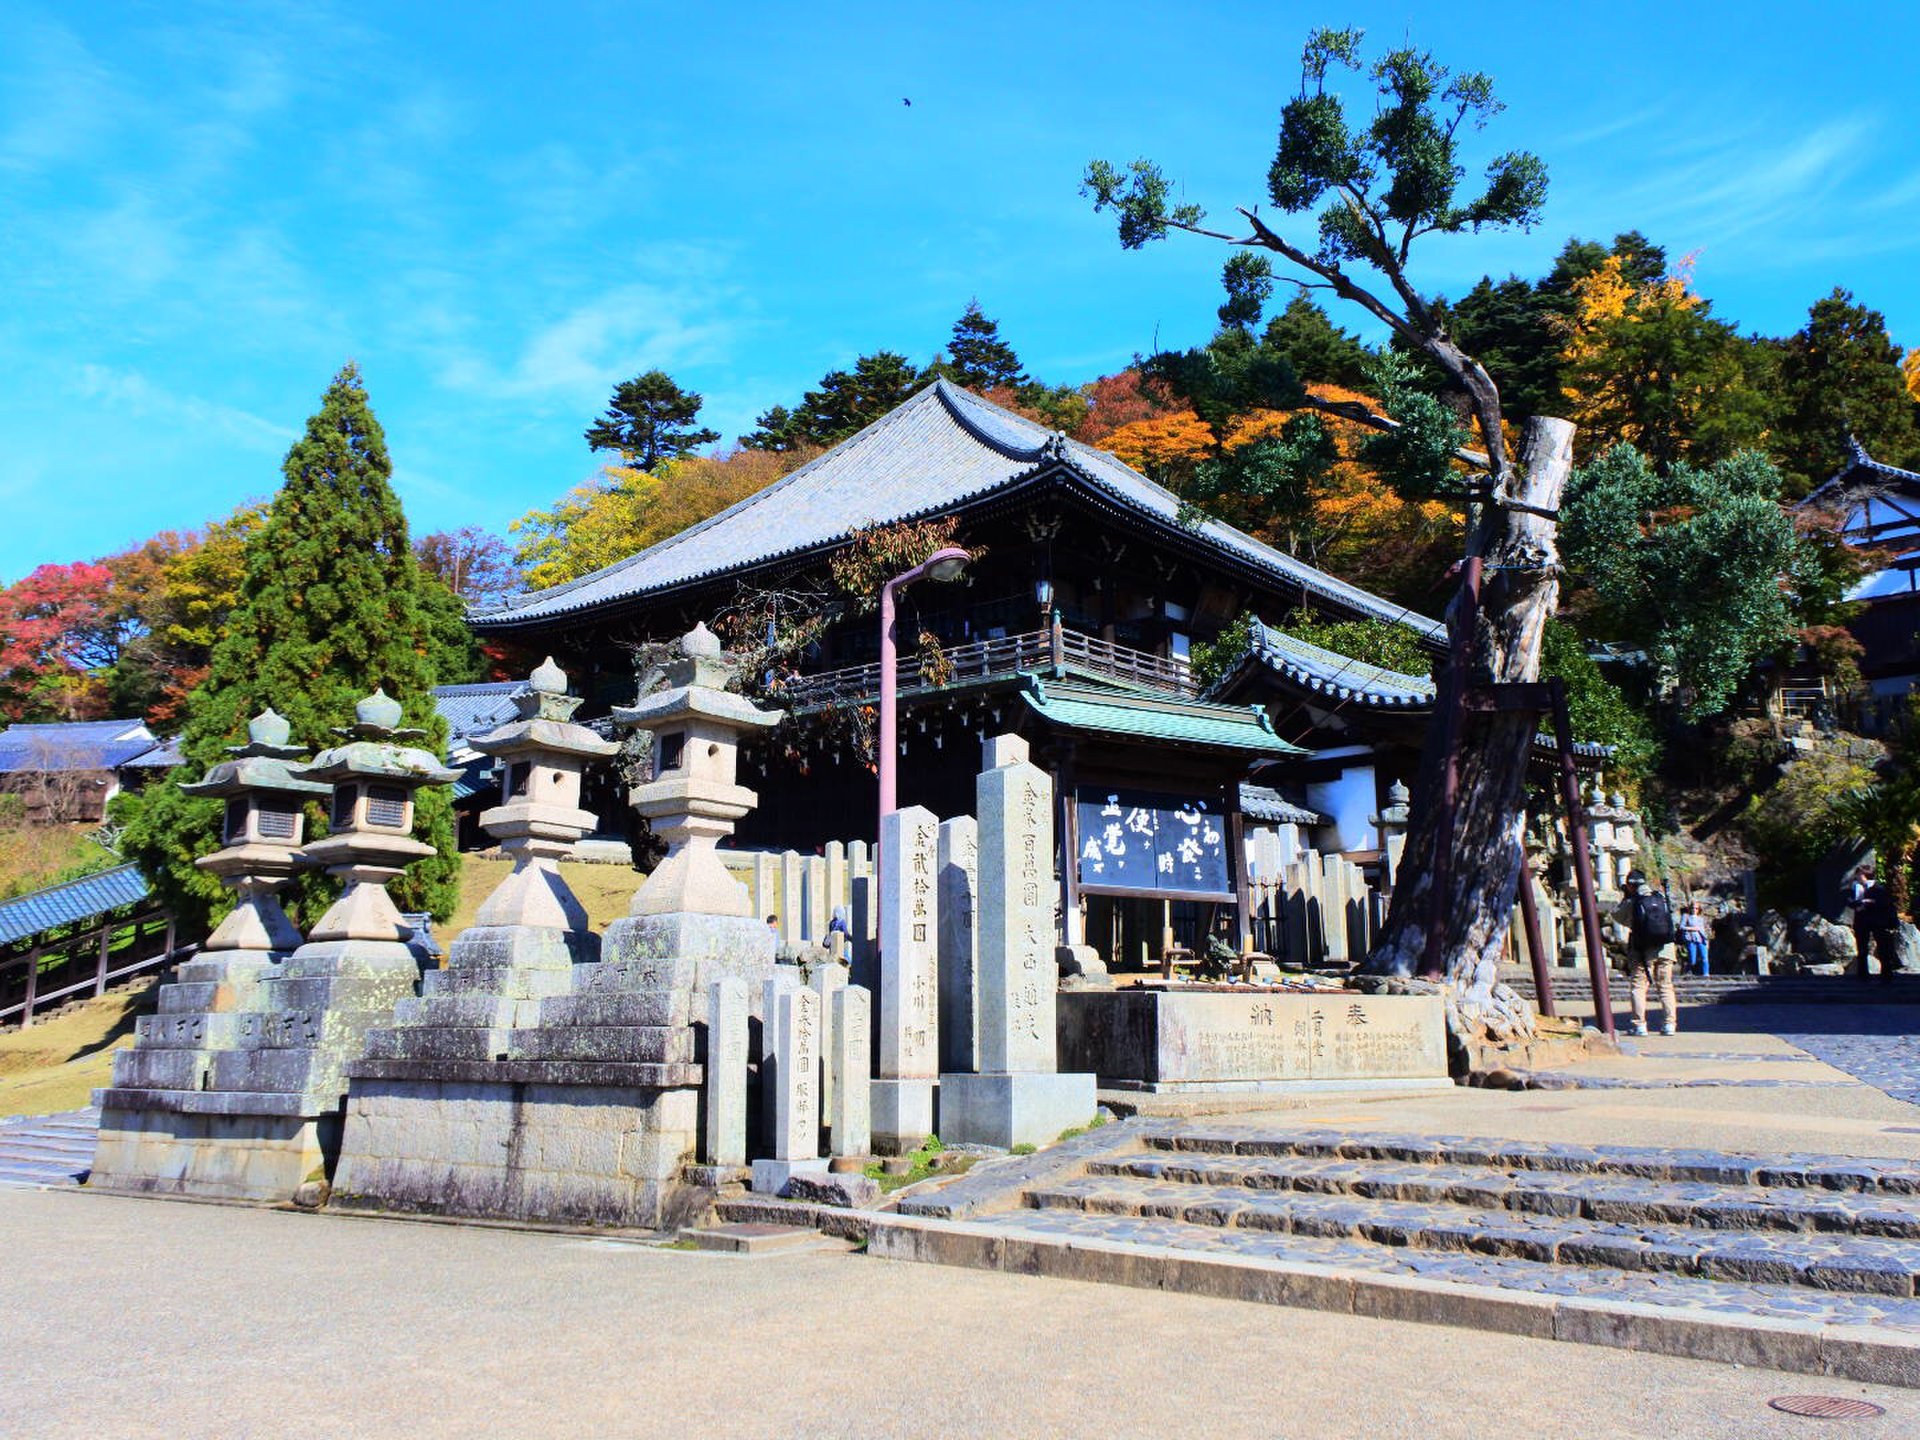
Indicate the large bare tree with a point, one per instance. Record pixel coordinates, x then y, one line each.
1374 187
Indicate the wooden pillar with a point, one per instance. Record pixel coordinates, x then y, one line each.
169 950
1237 858
1073 932
100 975
33 985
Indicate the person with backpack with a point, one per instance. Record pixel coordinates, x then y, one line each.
1876 922
1646 917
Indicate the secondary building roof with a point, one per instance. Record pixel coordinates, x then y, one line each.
1115 713
67 904
939 451
1324 672
82 745
475 709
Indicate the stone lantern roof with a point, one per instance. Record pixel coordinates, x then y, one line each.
696 686
260 765
545 722
375 750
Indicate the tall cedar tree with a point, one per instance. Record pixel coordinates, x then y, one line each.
847 402
334 604
650 419
978 358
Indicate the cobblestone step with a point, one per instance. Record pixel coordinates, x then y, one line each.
1609 1199
1827 1262
1712 1167
1734 1299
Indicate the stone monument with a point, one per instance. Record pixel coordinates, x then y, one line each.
591 1111
909 982
267 1118
1017 1097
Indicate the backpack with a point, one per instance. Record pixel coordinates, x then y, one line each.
1652 919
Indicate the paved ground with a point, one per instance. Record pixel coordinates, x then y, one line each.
153 1318
125 1317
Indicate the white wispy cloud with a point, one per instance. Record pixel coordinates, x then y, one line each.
139 395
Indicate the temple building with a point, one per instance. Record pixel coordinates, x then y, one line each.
1072 627
1879 510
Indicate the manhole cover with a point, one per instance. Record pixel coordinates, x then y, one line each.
1826 1407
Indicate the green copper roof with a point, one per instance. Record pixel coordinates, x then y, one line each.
1152 717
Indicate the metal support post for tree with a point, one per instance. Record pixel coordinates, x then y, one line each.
1536 945
1582 858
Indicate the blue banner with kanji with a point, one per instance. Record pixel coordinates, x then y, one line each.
1133 840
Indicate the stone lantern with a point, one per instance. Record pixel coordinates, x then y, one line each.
374 777
1393 821
690 906
542 755
262 830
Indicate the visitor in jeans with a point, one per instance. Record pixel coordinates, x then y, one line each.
1695 936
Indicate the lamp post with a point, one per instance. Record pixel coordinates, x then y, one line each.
945 565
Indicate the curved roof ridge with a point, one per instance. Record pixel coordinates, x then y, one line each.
959 401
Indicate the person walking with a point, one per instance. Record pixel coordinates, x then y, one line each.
1645 918
1695 935
1876 921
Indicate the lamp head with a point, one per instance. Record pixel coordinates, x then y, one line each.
947 564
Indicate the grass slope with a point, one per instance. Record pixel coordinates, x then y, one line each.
57 1063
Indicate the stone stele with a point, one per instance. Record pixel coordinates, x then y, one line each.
1017 1097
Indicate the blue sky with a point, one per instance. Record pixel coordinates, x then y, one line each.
500 211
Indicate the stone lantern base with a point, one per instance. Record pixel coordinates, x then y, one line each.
252 1110
588 1113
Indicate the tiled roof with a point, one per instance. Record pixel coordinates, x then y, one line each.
475 709
1861 473
1333 675
82 745
1181 722
1270 807
72 902
937 451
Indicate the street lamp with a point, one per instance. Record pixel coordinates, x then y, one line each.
946 564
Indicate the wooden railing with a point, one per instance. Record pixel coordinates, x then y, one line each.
67 956
1036 650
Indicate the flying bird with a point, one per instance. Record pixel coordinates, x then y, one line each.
905 101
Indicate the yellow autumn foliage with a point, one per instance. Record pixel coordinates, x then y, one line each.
1910 368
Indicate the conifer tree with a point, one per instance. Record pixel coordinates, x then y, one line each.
333 605
978 358
650 419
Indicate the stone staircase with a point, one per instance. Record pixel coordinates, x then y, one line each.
1572 985
48 1149
1798 1262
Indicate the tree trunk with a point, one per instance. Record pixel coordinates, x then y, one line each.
1481 868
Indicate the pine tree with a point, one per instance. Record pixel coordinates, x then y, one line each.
333 605
978 358
650 419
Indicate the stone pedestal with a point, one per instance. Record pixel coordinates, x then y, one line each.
902 1114
1007 1109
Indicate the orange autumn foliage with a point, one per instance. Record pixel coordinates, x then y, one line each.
1356 526
1170 448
